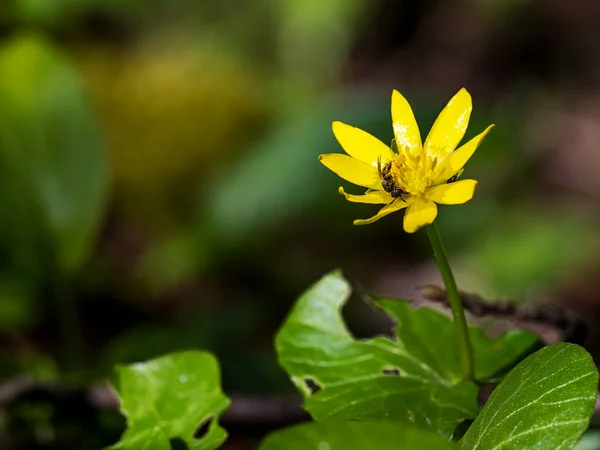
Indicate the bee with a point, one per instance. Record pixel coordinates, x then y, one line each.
454 178
387 180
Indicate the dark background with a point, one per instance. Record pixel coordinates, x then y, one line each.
160 188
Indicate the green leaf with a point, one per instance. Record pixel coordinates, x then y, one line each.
373 379
169 399
544 402
440 349
51 154
415 379
333 435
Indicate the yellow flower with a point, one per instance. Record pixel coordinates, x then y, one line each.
417 176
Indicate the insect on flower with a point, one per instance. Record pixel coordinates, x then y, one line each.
387 180
419 174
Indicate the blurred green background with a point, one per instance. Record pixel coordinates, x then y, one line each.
160 188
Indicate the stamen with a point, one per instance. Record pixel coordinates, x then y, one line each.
413 173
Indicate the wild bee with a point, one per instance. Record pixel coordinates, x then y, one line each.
387 180
454 178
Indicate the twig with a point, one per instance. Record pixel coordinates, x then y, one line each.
572 328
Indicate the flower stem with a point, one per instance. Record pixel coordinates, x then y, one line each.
464 343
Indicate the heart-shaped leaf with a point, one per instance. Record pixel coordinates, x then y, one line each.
175 398
336 435
544 402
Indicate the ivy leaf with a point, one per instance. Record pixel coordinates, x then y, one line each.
174 398
337 435
415 379
544 402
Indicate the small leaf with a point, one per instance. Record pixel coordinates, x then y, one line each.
544 402
344 378
333 435
170 399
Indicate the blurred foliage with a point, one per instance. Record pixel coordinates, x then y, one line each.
156 168
51 152
514 262
53 182
56 13
279 177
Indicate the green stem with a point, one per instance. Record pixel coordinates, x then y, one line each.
464 343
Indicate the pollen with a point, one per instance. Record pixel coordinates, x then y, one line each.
413 172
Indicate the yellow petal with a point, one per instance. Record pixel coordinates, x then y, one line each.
452 193
361 145
396 205
352 170
458 158
420 213
374 197
450 126
406 130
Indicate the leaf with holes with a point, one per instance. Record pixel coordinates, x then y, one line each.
172 400
337 435
415 379
544 402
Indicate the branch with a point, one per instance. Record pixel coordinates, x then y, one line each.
566 321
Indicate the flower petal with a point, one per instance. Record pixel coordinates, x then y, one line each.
452 193
361 145
396 205
406 130
373 197
420 213
352 170
458 158
450 126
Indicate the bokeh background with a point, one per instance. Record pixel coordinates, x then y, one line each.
160 188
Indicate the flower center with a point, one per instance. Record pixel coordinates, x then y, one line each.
413 173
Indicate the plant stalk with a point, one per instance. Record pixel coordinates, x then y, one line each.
465 348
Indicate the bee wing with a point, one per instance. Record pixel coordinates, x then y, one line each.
379 166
